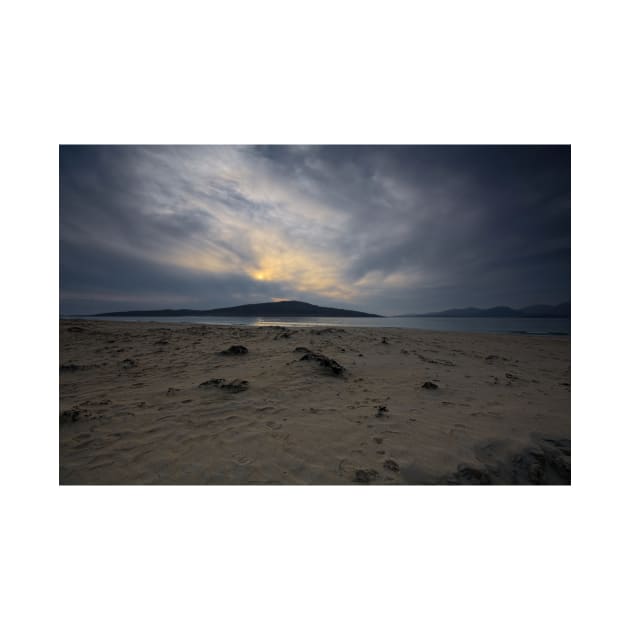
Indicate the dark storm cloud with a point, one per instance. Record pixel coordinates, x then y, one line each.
387 229
448 218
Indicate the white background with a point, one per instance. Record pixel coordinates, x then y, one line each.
318 72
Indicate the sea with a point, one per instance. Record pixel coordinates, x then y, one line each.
510 325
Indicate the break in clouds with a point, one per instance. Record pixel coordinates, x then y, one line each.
382 229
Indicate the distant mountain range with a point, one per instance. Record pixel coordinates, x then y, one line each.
536 310
293 308
289 308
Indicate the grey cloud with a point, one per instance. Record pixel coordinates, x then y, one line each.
452 226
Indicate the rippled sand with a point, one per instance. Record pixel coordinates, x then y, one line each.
148 403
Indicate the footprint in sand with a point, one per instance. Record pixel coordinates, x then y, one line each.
243 460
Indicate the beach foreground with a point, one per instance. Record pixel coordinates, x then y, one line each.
148 403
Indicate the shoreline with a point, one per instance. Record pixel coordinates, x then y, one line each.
154 402
291 324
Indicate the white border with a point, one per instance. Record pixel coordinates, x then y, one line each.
287 72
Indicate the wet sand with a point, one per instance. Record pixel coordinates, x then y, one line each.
148 403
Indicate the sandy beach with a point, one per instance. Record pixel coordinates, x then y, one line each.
148 403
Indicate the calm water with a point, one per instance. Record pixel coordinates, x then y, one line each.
516 325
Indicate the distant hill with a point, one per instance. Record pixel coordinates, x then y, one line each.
536 310
289 308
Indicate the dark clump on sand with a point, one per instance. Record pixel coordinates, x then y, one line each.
429 385
545 461
324 361
73 415
392 465
285 335
234 386
232 350
70 367
365 476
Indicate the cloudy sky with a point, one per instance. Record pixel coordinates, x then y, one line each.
384 229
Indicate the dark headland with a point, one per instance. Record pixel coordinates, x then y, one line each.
289 308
